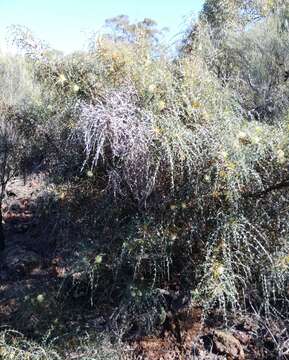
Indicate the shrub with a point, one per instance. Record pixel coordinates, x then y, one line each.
14 346
176 169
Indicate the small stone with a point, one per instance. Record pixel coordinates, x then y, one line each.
22 261
226 344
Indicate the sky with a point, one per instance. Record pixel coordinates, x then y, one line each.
65 24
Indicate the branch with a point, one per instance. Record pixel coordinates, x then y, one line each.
279 186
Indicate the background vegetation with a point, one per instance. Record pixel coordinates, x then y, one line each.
170 171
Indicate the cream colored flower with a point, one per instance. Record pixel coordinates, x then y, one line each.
256 140
152 88
98 259
40 298
75 88
223 154
195 105
244 139
281 156
231 166
242 135
220 270
62 79
184 205
115 56
157 131
161 105
258 130
173 237
62 196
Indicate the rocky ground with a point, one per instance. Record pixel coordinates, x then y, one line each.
29 269
25 262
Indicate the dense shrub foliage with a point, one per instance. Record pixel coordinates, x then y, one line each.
173 170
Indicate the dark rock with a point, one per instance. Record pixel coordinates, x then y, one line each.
21 261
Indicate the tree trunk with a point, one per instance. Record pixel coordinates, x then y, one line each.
2 236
